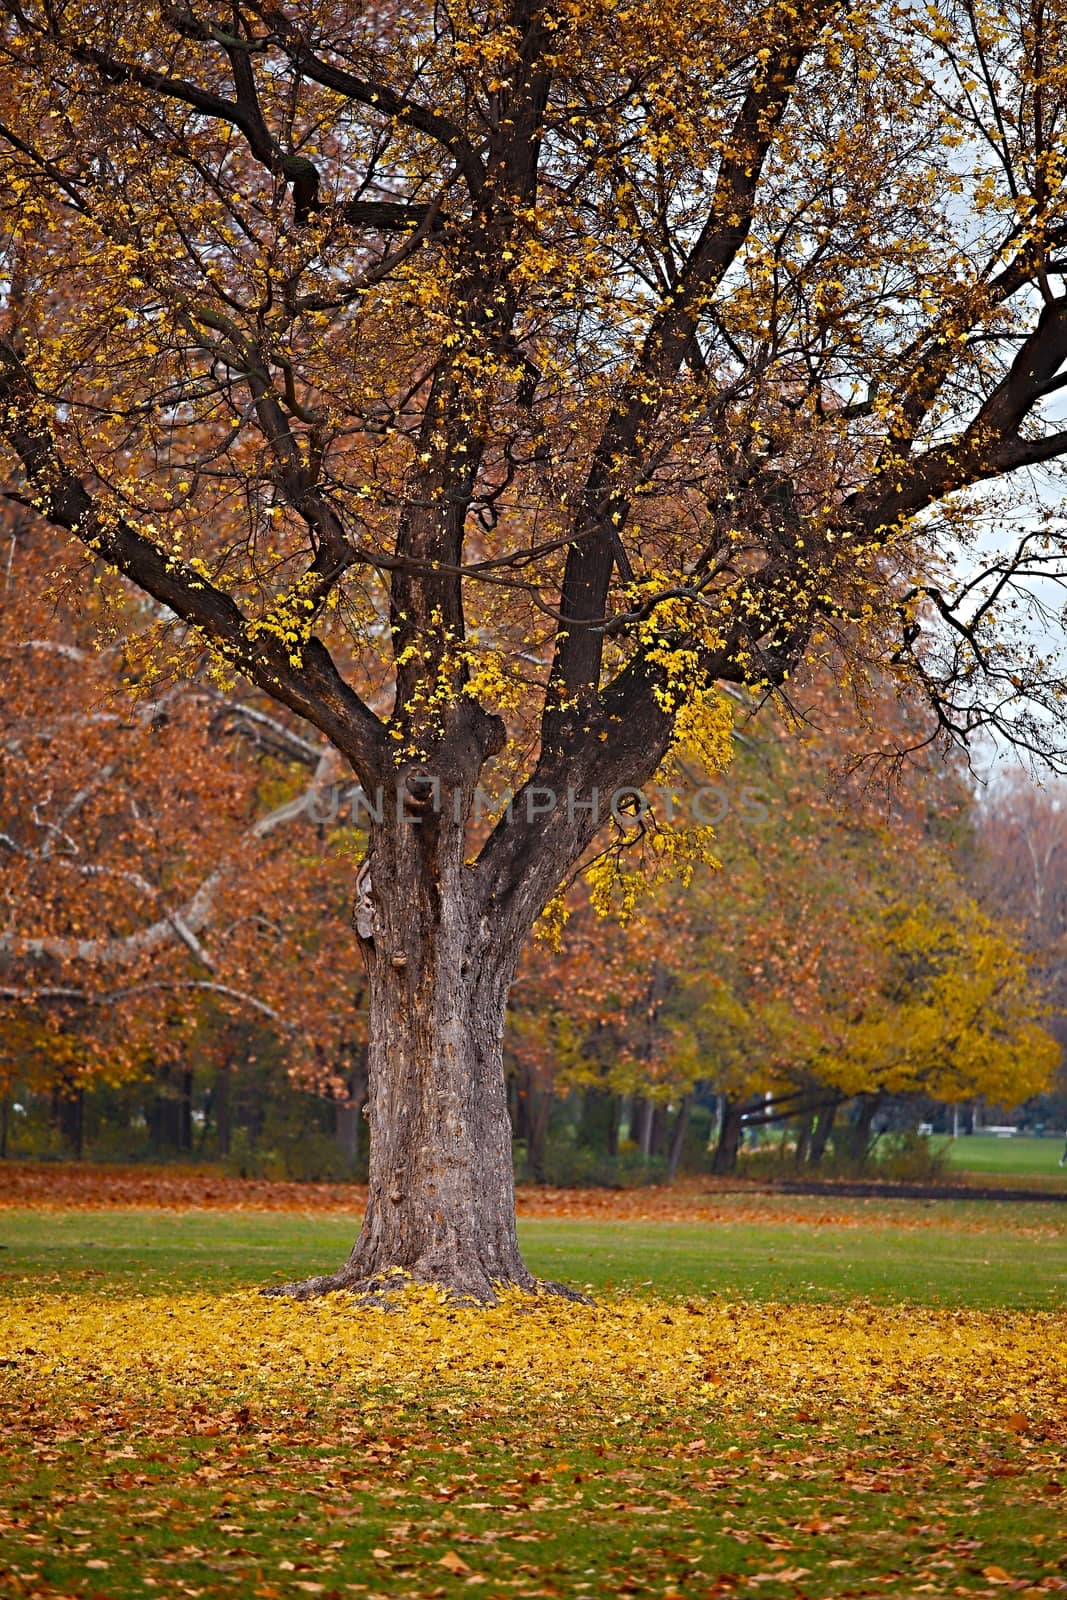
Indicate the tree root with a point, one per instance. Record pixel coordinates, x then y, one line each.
383 1290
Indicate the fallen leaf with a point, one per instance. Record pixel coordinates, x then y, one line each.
453 1562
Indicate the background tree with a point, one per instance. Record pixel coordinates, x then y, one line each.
1019 874
161 859
490 384
834 958
1020 866
602 1011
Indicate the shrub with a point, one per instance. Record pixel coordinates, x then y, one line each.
573 1166
910 1157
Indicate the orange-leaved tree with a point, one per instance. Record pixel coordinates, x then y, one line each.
159 844
489 383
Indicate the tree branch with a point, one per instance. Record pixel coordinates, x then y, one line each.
596 543
308 684
375 94
246 116
58 994
991 444
183 924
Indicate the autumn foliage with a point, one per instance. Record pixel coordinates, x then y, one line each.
500 391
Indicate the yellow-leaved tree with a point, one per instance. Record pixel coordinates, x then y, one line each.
957 1013
490 382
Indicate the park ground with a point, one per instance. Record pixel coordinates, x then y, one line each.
773 1395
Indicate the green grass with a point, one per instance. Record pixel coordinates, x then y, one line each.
436 1504
936 1253
1023 1158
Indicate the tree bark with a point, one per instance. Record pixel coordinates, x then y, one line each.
170 1116
805 1126
641 1125
725 1157
865 1107
531 1115
185 1112
221 1106
68 1114
441 1201
678 1133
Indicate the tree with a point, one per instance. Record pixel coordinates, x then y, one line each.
490 385
1020 864
834 955
601 1009
864 966
1019 874
159 847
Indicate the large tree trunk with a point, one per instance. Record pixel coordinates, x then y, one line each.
441 1203
442 1200
440 939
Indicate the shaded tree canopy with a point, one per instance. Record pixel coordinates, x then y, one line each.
641 340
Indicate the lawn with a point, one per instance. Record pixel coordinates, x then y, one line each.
773 1398
804 1248
1022 1157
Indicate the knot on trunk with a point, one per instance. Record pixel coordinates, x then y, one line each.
423 790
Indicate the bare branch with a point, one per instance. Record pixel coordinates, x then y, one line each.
60 994
183 924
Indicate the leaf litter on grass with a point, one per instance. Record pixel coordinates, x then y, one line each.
99 1187
693 1351
180 1444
